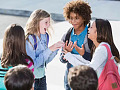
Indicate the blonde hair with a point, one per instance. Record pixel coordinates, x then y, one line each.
32 25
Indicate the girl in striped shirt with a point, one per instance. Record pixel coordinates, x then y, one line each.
14 51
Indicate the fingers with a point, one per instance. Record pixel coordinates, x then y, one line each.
82 46
71 44
66 43
75 43
59 44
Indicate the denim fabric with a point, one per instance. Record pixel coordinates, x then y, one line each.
66 86
40 84
66 76
41 55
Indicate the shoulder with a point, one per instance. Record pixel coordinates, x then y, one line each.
31 38
102 49
67 34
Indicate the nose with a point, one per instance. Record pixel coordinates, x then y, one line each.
48 25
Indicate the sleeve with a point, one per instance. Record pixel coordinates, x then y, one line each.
99 57
75 59
52 55
39 60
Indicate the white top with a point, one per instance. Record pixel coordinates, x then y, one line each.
98 61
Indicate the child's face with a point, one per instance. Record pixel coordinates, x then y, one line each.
76 20
92 32
44 24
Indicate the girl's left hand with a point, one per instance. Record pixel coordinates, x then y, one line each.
81 51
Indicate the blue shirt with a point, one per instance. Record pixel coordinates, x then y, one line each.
41 55
79 38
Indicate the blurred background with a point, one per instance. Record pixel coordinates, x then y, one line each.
18 11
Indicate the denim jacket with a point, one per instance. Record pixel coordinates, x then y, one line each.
41 56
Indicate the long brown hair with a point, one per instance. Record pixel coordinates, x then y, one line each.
14 51
104 34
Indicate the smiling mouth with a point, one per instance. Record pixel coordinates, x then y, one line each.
88 32
45 29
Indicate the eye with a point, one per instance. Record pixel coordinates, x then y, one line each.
77 18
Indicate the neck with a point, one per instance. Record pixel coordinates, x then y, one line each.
96 43
79 30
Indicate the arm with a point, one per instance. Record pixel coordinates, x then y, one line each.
53 54
99 57
75 59
42 55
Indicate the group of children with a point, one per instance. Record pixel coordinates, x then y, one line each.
31 49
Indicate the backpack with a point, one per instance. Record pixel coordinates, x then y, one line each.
109 78
35 40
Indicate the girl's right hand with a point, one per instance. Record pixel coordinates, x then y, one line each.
81 50
56 46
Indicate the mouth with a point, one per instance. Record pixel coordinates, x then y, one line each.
88 32
74 24
45 29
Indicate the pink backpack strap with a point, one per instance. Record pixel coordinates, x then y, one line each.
30 65
108 51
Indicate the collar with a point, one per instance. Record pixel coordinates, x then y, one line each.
83 32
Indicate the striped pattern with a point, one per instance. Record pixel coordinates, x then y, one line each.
30 65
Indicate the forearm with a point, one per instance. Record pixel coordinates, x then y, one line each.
52 55
75 59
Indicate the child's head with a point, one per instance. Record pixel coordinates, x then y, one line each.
76 9
101 31
19 78
38 22
82 78
13 46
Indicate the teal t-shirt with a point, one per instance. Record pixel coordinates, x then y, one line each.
2 74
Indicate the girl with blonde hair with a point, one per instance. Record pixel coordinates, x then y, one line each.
37 39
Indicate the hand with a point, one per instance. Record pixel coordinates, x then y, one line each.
81 51
63 53
56 46
68 47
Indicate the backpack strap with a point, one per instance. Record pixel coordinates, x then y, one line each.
35 41
67 37
47 38
108 51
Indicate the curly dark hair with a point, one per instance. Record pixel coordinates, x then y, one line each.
82 78
79 7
